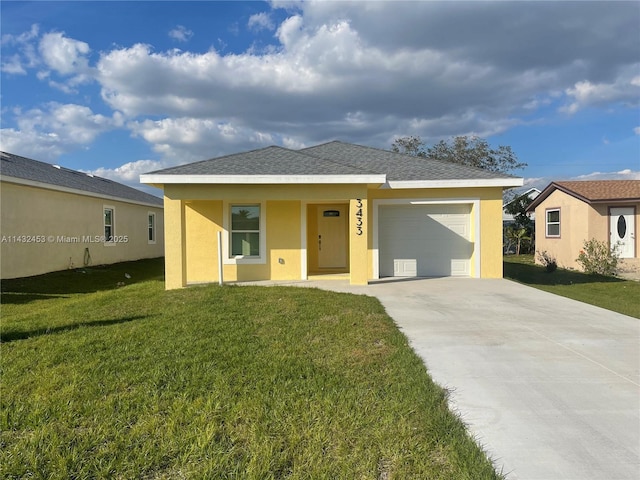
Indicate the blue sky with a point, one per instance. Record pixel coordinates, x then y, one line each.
123 88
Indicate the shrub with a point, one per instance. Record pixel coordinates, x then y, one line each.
547 260
597 258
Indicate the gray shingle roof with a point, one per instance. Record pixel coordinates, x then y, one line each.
34 170
398 166
333 158
265 161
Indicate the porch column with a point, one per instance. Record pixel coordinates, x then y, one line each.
358 243
175 264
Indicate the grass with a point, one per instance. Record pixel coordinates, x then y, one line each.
215 382
618 295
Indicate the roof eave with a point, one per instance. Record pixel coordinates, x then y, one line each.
76 191
554 186
456 183
162 179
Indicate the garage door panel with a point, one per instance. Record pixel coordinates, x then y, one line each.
430 240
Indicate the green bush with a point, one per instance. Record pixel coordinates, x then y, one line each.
597 258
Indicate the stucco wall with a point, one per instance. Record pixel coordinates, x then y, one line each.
574 228
579 221
59 230
196 213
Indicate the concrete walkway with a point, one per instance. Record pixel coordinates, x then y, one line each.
549 386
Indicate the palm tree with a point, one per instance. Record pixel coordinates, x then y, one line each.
517 235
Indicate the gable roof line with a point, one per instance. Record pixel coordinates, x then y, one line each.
563 188
223 157
27 171
335 162
523 194
270 147
331 162
76 191
407 156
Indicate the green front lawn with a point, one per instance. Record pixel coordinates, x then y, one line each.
215 382
612 293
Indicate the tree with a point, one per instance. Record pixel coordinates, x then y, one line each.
517 236
410 145
517 207
462 150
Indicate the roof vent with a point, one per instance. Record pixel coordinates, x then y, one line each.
90 175
56 166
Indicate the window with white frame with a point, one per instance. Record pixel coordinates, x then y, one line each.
245 231
151 235
553 222
109 224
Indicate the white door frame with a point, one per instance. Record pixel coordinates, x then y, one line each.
475 202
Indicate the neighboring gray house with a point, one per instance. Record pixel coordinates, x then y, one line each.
53 218
507 218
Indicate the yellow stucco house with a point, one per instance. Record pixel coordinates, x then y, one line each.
53 218
336 209
568 213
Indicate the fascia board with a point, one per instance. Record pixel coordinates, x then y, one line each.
261 179
455 183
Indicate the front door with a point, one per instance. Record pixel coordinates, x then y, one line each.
332 236
622 229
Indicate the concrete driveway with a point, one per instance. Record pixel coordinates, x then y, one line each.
549 386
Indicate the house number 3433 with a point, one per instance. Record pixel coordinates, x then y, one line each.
359 216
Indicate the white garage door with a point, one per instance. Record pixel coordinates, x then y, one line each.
424 240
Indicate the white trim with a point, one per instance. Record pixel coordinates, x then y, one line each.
455 183
113 224
226 225
304 275
49 186
547 223
151 242
262 179
474 202
380 179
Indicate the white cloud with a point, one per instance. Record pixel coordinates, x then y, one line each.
33 144
585 93
47 133
64 55
181 33
129 172
261 21
541 182
13 65
359 71
626 174
26 56
636 130
182 140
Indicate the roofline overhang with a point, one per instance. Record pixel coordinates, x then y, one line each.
371 179
76 191
554 186
160 179
456 183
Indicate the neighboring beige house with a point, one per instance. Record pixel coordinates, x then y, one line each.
569 213
53 218
335 209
